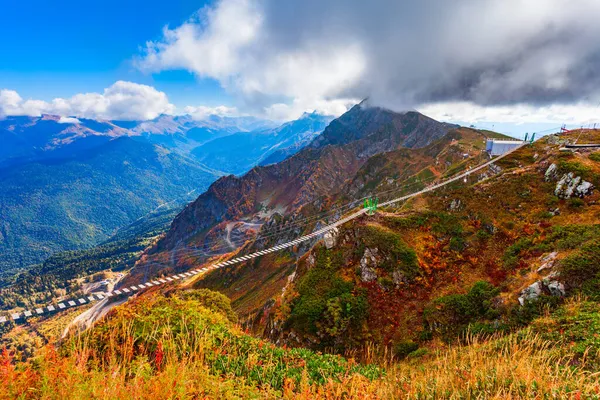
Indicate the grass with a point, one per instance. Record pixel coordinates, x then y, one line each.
174 347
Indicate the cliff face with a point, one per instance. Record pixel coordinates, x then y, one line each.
319 170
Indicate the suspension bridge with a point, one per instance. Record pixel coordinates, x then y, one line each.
369 209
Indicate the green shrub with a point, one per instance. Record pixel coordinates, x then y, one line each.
572 236
386 282
595 156
512 253
575 167
451 315
523 315
582 266
327 303
212 300
576 202
457 243
447 224
404 348
422 352
401 256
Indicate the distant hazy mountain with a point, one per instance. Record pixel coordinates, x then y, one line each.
61 204
27 139
241 151
32 138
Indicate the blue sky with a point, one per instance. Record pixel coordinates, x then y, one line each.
60 48
279 58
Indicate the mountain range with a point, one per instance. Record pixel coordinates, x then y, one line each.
70 183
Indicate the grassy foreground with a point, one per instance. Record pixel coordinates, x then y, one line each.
187 345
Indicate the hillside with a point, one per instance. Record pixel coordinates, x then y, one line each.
239 152
485 256
487 288
307 176
55 205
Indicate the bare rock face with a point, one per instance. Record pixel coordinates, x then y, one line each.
310 261
368 262
398 277
570 185
330 238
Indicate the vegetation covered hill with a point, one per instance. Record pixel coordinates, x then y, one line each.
68 273
52 206
310 177
485 289
488 256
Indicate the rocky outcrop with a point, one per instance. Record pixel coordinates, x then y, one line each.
551 173
568 185
547 262
531 292
456 205
330 238
368 262
550 285
572 186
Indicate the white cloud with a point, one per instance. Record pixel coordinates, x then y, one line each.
229 43
278 57
121 101
10 102
201 112
68 120
581 113
287 112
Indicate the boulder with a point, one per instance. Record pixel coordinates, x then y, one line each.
455 205
398 277
556 288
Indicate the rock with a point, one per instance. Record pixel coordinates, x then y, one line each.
584 189
330 238
368 262
495 169
531 292
547 261
556 288
570 185
455 205
310 261
548 285
398 278
551 173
